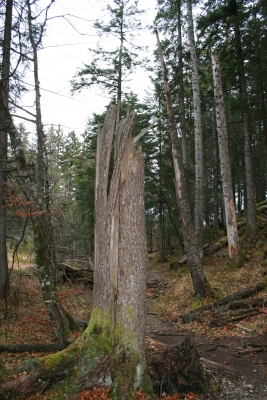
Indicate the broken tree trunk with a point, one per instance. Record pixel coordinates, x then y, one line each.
111 350
177 368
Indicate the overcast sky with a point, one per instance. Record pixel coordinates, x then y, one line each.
65 49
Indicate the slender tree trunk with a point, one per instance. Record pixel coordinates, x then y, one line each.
161 229
42 221
264 122
181 88
199 280
225 163
160 198
199 198
119 93
4 88
250 186
215 173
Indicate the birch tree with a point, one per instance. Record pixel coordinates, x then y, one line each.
229 202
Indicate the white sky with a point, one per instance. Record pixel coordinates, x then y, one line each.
64 51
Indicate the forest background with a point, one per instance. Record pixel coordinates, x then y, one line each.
216 153
236 31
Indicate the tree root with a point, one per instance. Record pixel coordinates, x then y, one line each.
177 368
81 369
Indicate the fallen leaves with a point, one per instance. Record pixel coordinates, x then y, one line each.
95 394
103 393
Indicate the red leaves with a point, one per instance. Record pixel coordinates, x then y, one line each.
103 393
18 205
95 394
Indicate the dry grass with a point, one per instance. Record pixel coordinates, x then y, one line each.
225 279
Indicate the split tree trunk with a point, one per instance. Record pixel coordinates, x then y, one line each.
199 279
225 163
112 349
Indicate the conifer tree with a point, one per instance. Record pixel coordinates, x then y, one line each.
111 68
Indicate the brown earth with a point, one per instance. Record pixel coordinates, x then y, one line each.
237 376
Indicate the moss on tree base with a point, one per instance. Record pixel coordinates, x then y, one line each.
90 360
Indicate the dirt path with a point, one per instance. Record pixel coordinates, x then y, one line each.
240 376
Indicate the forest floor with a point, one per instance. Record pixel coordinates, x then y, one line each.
239 371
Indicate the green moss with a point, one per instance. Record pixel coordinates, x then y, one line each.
209 384
197 302
63 359
70 383
240 260
99 333
147 387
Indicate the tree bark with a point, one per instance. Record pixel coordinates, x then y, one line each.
199 280
181 87
4 88
229 202
215 173
199 197
250 185
129 352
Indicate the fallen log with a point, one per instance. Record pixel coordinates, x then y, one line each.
248 351
210 249
232 316
218 369
259 301
223 242
75 274
36 348
228 300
